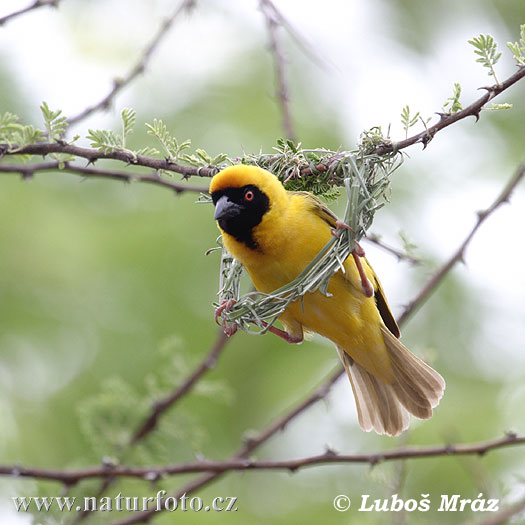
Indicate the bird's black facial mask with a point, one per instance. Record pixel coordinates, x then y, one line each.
239 210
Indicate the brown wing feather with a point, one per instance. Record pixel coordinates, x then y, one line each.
382 306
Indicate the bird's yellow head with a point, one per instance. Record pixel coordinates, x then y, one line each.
244 196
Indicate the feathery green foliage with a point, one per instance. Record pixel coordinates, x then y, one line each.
169 143
453 105
485 48
109 418
108 141
407 120
17 135
518 48
55 122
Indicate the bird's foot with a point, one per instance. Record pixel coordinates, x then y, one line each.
228 328
284 335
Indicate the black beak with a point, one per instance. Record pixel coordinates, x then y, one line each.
226 209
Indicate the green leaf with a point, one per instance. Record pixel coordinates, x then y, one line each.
203 155
15 134
170 144
104 140
128 121
453 105
518 48
494 106
485 48
55 122
408 120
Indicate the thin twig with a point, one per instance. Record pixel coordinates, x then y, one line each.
502 516
459 254
446 119
280 69
138 68
35 5
400 255
329 457
29 170
318 394
160 406
303 44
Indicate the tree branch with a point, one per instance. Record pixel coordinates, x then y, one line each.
459 254
35 5
92 155
446 119
503 516
138 68
44 148
400 255
268 11
160 406
28 171
70 477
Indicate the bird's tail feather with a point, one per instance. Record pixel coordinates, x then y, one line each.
385 408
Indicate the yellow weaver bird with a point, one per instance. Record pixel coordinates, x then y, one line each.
275 234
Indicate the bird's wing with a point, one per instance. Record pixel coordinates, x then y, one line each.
318 207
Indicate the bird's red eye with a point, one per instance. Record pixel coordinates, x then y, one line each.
249 195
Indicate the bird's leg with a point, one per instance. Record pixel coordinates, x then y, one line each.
228 328
284 335
357 252
366 285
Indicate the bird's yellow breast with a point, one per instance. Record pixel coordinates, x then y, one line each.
289 236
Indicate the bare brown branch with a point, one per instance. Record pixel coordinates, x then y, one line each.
447 119
138 68
400 255
503 516
160 406
92 155
459 254
29 170
69 477
280 69
35 5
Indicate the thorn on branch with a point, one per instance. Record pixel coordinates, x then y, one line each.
511 435
249 440
375 459
153 476
330 452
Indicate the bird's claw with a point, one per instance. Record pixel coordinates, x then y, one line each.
228 328
341 225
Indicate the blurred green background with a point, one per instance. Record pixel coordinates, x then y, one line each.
106 294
